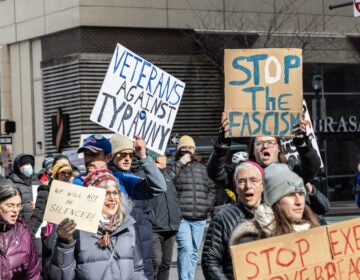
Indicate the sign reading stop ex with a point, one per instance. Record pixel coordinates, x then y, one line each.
326 252
356 8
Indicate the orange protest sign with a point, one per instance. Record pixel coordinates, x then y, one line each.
327 252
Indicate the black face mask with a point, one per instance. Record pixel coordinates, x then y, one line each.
181 153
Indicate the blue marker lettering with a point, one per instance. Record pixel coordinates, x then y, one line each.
283 102
253 91
125 65
255 59
290 61
142 75
232 124
246 71
118 61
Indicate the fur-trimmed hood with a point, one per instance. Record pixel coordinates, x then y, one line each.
245 232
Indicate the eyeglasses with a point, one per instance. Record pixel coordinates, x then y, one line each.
252 181
124 155
113 193
66 173
12 206
269 143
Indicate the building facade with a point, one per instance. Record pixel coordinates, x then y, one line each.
54 55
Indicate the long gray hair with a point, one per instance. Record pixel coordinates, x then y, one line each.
8 191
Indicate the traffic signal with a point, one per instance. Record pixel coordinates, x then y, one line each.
8 127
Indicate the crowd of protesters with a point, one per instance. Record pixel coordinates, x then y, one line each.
154 201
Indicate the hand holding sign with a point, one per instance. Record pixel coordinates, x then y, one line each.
140 147
65 231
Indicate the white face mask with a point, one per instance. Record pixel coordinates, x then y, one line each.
28 170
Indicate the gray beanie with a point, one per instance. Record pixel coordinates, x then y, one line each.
280 181
120 143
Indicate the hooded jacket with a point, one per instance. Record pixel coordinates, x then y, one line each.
24 184
83 259
18 258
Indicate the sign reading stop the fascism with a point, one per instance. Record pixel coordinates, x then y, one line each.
356 8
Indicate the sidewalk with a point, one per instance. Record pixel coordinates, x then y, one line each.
343 208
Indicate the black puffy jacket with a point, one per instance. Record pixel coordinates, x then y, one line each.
24 184
216 258
195 190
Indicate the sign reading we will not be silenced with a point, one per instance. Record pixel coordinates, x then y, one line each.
81 204
137 97
263 91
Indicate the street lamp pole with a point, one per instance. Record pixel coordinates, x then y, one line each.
317 84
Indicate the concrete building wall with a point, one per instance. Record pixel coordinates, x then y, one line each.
25 19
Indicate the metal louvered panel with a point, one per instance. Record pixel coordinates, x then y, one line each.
73 86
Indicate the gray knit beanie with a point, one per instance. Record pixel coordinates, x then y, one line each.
280 181
120 143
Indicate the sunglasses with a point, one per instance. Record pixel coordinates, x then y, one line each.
124 155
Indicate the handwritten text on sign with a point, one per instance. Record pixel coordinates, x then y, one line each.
263 91
137 97
327 252
83 205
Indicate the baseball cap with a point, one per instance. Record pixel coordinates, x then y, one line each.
96 143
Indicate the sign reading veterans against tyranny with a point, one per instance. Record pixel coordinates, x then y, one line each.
137 97
263 91
326 252
81 204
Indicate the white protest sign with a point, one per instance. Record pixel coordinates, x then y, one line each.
287 145
74 158
81 204
356 8
137 97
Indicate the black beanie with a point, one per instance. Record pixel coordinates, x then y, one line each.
26 159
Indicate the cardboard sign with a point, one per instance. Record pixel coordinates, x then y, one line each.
137 97
263 91
81 204
290 149
326 252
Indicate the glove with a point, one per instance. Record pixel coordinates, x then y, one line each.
300 136
65 231
221 140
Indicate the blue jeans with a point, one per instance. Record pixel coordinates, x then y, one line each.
188 240
357 199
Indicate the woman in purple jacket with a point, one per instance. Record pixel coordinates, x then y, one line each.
18 259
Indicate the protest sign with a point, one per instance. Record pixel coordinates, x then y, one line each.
326 252
74 158
137 97
290 150
82 204
263 91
